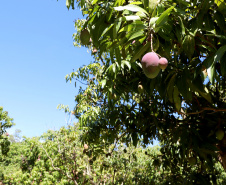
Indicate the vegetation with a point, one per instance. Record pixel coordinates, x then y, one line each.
5 122
129 100
59 157
183 106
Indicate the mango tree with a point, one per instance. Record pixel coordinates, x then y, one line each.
182 103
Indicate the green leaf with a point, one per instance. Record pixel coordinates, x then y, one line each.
135 26
116 27
136 66
136 2
210 62
132 17
184 3
103 83
189 45
114 68
68 3
199 88
118 55
141 51
152 4
182 26
219 18
141 14
163 17
134 138
182 85
110 69
125 62
165 34
170 88
131 7
153 21
211 73
127 28
218 36
208 22
106 30
204 6
112 54
176 99
134 35
94 2
220 52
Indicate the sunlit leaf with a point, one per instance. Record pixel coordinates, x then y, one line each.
68 3
220 52
132 17
128 64
211 73
163 17
135 35
176 99
132 8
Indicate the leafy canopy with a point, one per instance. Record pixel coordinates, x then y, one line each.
59 157
184 106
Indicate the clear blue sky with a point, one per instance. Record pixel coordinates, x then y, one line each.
36 53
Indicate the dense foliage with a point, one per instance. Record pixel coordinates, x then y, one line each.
59 157
184 106
5 122
121 110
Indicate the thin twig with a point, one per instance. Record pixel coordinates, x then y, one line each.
183 113
81 82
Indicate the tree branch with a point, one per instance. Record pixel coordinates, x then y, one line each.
203 109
